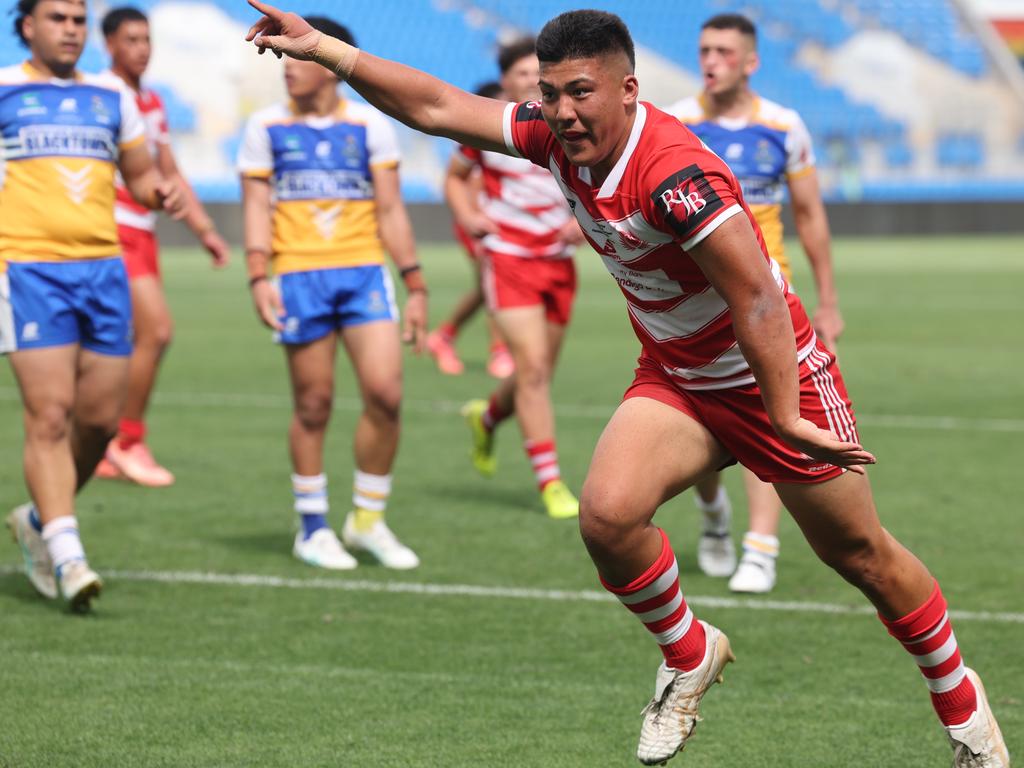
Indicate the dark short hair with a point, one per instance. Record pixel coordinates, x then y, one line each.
583 35
115 17
491 89
332 28
512 52
20 10
736 21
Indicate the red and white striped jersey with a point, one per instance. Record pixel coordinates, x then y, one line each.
127 212
666 193
524 201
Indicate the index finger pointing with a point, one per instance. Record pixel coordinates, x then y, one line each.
267 10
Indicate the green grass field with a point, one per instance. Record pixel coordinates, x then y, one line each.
211 646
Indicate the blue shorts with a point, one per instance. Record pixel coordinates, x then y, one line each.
319 301
50 304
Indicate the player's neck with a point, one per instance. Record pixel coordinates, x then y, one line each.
319 104
735 104
135 83
47 71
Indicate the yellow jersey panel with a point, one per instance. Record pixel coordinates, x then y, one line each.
324 234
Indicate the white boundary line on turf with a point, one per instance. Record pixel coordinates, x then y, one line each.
513 593
567 410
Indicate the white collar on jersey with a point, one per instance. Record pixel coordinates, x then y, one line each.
612 182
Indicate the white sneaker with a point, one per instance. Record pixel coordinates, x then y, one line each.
38 565
380 542
671 716
323 550
978 743
755 574
716 553
79 585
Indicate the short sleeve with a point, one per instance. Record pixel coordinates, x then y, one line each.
799 152
163 131
526 134
132 132
468 156
693 193
255 157
381 141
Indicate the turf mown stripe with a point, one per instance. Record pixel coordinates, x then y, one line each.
567 410
514 593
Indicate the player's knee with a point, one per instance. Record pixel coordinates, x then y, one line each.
384 401
532 373
607 516
861 562
313 407
48 424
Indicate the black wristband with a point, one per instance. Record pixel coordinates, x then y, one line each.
254 280
410 269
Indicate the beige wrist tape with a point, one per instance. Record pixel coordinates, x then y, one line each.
337 56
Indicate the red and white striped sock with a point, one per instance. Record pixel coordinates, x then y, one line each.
657 600
927 634
544 460
495 414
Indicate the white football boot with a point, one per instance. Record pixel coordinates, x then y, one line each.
79 584
716 553
323 550
38 565
978 743
380 542
755 574
671 716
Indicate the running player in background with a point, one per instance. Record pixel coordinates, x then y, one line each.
529 281
321 195
767 146
463 191
65 308
126 30
730 369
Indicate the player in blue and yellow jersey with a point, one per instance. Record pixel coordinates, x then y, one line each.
320 188
65 310
769 149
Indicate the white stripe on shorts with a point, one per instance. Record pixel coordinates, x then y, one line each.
8 338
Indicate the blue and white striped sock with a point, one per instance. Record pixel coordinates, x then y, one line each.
62 541
33 519
310 493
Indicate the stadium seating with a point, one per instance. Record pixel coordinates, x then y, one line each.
456 40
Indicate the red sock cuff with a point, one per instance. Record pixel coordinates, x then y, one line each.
919 621
537 447
131 431
661 564
448 330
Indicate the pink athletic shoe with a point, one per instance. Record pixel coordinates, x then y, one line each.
106 471
501 365
138 465
440 347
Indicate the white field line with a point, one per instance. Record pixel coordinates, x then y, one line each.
564 410
501 593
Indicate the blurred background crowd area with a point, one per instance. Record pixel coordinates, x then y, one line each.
906 100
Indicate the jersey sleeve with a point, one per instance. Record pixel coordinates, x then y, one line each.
132 131
381 142
255 157
692 194
163 131
467 156
799 152
526 134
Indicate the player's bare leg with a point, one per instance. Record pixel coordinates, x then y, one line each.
716 553
623 490
839 520
756 571
376 354
311 370
128 455
100 388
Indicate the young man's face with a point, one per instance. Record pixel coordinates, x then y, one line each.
55 31
587 103
727 59
520 80
304 79
130 47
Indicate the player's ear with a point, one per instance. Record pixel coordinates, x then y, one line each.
630 89
752 64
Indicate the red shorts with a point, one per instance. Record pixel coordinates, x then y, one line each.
470 244
140 250
738 419
515 281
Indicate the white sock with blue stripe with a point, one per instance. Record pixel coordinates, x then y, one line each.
310 493
62 541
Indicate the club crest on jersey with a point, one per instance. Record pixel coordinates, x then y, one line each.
528 110
686 199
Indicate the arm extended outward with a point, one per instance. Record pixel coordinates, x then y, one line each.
419 100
